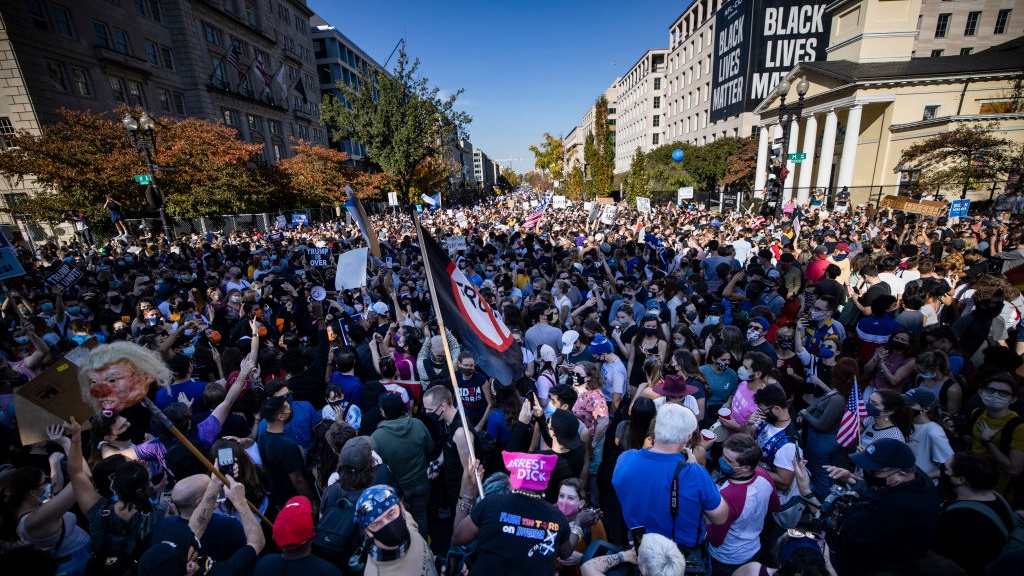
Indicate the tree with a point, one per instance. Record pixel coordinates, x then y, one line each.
431 175
590 160
399 117
574 182
740 166
603 168
318 176
962 157
538 180
512 179
638 180
548 156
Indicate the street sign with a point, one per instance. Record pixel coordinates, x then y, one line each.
797 157
143 179
959 208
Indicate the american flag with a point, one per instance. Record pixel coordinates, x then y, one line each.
535 217
849 427
261 70
233 58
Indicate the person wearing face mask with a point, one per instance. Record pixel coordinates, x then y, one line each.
751 495
895 517
756 342
928 439
752 378
393 544
819 325
789 363
888 417
572 501
974 527
892 364
996 431
983 326
721 379
282 457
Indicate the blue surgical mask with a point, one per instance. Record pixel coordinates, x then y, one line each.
826 353
712 320
724 467
21 339
927 375
153 321
128 259
46 493
679 343
46 307
873 411
79 338
74 310
188 351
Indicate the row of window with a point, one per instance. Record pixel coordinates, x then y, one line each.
940 52
59 17
942 25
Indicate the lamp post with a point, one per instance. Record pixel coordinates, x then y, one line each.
788 113
140 132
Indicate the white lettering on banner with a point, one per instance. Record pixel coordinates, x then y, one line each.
804 19
477 312
535 475
786 53
764 84
526 463
728 93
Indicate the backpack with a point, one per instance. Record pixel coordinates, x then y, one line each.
116 544
1014 535
337 535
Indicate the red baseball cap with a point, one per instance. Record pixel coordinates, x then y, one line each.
293 526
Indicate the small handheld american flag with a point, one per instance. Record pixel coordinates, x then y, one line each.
849 427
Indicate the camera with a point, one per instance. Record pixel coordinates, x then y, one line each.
832 510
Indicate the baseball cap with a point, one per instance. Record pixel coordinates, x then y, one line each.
293 526
373 502
569 338
380 308
547 354
821 249
919 396
357 453
884 453
565 427
169 553
843 247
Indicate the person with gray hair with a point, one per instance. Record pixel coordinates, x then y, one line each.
656 556
648 480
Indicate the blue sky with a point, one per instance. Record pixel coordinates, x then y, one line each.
527 66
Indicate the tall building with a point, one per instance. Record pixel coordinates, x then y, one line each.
247 63
639 109
965 27
483 171
340 60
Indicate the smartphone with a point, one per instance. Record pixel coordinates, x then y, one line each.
637 534
225 460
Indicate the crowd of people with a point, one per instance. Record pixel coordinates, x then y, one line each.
829 392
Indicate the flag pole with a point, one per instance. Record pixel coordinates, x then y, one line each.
860 445
447 350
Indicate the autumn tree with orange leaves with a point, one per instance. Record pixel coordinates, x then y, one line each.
318 176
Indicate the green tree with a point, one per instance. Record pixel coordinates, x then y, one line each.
638 180
574 182
512 180
399 117
548 156
589 160
963 157
603 168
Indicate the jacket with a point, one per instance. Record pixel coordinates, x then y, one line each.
404 444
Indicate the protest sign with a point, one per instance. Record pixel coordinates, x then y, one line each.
351 274
456 243
685 193
318 257
280 222
558 202
300 219
609 213
65 277
51 397
643 205
911 206
9 265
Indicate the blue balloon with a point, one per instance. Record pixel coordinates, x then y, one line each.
677 155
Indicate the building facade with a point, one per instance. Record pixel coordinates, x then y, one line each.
483 169
340 61
248 64
639 109
859 117
572 144
965 27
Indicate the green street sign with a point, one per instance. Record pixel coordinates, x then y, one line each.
797 157
143 179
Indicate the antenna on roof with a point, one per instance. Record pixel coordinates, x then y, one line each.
401 42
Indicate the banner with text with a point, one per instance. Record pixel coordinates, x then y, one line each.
733 23
785 33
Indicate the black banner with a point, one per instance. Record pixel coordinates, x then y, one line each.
785 33
64 277
733 23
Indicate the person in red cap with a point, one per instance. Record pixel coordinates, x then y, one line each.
293 532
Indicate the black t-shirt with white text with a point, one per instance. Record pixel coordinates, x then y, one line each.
518 535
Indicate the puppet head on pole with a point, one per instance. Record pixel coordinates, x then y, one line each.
118 375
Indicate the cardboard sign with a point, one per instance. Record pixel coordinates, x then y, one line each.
559 202
300 219
65 277
393 198
685 193
643 205
604 200
9 265
594 211
276 237
609 213
319 257
351 274
51 397
911 206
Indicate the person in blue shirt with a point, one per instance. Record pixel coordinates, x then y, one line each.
304 415
181 371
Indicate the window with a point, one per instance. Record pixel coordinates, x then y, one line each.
218 75
65 27
1002 20
38 13
58 76
275 127
657 121
102 34
213 34
6 131
255 122
657 83
168 57
937 53
152 53
942 25
657 102
80 77
156 11
179 103
930 111
966 51
136 96
229 117
165 100
141 7
654 139
118 90
972 23
278 151
121 42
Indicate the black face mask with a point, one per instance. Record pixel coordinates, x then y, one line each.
394 533
874 481
669 369
126 435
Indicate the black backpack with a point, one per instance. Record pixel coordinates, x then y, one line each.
337 535
116 544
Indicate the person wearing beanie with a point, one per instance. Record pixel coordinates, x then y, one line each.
394 545
293 533
404 444
527 550
757 330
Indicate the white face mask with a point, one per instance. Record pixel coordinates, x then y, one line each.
744 373
236 298
994 401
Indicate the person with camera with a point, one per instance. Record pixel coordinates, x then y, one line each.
894 518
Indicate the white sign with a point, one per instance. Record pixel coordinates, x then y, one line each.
586 206
392 198
351 273
685 194
558 202
456 243
461 219
534 203
643 205
608 216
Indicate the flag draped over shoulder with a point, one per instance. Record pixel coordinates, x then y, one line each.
355 209
467 314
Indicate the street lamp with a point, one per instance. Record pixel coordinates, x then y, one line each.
140 132
788 113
